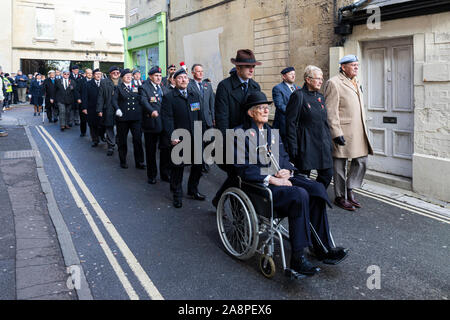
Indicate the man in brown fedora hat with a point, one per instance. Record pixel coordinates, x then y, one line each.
231 95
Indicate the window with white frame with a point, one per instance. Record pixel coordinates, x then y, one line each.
45 23
82 26
113 31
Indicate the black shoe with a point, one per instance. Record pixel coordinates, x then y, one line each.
303 266
110 152
82 134
197 196
62 128
334 255
103 139
70 125
124 166
165 178
177 203
94 144
151 180
140 166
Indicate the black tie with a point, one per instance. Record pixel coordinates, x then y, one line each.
244 87
292 89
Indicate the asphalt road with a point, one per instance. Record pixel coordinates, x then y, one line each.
181 252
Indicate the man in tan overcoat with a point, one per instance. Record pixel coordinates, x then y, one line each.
347 121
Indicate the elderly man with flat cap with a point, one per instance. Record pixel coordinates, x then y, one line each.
347 121
105 108
154 134
180 109
231 95
281 94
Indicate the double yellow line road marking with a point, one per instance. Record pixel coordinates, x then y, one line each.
131 260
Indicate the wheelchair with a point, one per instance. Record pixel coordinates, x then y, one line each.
244 214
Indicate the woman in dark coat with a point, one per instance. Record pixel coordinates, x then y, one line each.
37 93
307 133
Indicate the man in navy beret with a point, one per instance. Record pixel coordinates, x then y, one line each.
280 95
154 134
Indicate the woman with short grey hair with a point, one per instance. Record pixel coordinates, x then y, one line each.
307 132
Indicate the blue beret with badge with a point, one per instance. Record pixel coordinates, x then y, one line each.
348 59
286 70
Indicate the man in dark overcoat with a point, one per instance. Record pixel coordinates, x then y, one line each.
127 103
154 134
231 94
49 92
90 97
179 110
105 108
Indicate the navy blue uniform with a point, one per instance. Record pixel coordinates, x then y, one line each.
303 202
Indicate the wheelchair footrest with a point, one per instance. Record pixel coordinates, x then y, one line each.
293 275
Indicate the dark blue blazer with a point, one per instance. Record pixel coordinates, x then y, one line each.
280 96
252 172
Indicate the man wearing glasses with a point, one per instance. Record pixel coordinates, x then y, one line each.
105 108
347 123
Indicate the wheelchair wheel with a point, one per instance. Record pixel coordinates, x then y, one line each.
267 266
237 223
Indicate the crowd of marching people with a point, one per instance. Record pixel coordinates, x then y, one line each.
317 131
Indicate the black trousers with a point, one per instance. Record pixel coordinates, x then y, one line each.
176 180
83 122
301 205
152 140
324 176
51 110
94 130
123 127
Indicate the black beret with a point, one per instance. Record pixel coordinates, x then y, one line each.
154 70
178 72
113 68
136 71
124 72
233 70
286 70
96 70
171 66
75 67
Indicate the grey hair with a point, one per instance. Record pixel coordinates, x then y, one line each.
309 71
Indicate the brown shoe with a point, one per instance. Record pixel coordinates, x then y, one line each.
352 200
341 202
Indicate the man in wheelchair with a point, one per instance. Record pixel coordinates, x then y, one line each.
297 197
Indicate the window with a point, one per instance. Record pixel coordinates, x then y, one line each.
45 23
113 32
139 61
82 26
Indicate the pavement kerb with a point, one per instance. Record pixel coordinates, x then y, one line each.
69 253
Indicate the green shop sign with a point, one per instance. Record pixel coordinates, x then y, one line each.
143 34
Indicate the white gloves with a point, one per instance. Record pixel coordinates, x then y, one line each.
119 113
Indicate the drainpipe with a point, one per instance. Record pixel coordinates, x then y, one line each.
344 29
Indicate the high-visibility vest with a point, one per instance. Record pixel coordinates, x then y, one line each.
7 84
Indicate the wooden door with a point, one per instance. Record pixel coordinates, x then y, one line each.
389 99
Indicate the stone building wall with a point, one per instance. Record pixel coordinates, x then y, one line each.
431 42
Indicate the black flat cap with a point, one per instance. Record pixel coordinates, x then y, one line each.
286 70
124 72
154 70
178 72
113 68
